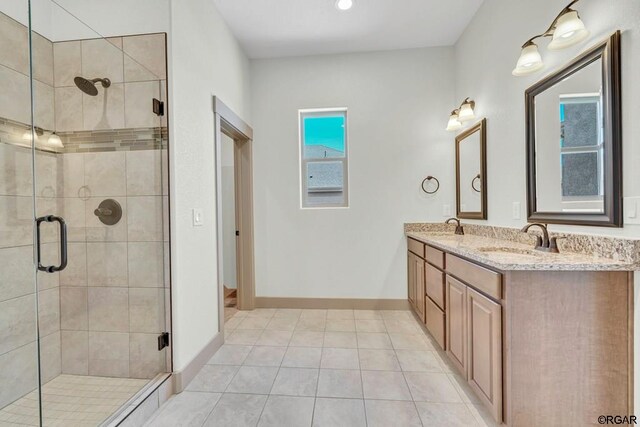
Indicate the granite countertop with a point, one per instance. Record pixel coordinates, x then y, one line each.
508 255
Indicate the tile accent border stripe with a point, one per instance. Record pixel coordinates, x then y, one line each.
94 141
332 303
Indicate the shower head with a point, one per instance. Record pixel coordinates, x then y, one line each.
89 86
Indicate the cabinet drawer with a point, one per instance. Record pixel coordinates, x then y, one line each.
435 285
416 247
435 257
484 280
435 322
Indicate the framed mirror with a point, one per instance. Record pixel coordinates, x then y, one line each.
574 142
471 172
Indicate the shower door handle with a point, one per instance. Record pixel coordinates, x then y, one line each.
63 243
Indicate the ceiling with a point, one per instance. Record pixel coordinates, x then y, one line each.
277 28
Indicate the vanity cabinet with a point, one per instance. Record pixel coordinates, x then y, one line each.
459 302
543 346
416 284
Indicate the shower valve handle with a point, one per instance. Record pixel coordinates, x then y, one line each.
102 212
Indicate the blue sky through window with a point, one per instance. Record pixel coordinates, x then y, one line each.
327 131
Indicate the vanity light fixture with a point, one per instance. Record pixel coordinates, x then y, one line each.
566 30
344 4
463 113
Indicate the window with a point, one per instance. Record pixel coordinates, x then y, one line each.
581 151
323 158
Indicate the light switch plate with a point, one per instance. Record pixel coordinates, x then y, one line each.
446 210
517 210
631 214
198 218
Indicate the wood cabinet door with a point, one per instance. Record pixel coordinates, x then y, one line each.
456 323
484 329
421 291
411 275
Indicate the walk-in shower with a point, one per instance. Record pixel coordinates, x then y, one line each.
84 197
89 86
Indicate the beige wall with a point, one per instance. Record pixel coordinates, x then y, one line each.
205 61
397 103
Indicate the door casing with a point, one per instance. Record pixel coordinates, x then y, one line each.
230 124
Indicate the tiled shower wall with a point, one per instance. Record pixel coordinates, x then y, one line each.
100 316
14 75
136 66
112 294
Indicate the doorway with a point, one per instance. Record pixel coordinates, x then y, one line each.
234 200
229 226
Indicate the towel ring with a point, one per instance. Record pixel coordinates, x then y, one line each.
473 184
429 178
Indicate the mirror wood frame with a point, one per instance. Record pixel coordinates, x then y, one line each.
480 127
609 52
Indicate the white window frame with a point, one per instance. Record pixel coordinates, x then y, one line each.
581 203
320 112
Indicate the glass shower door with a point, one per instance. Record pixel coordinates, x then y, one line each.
84 239
19 368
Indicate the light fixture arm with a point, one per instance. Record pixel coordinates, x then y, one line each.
552 27
466 101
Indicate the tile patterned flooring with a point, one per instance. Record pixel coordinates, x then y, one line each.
72 400
351 368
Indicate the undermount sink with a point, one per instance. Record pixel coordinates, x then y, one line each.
510 251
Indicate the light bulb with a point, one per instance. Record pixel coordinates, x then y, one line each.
55 141
529 62
466 112
454 124
344 4
27 135
569 30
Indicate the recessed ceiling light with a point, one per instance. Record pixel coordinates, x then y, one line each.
344 4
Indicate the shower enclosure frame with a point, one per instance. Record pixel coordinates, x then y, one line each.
161 378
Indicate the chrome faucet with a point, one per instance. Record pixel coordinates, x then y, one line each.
459 230
544 243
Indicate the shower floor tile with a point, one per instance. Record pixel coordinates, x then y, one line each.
72 400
